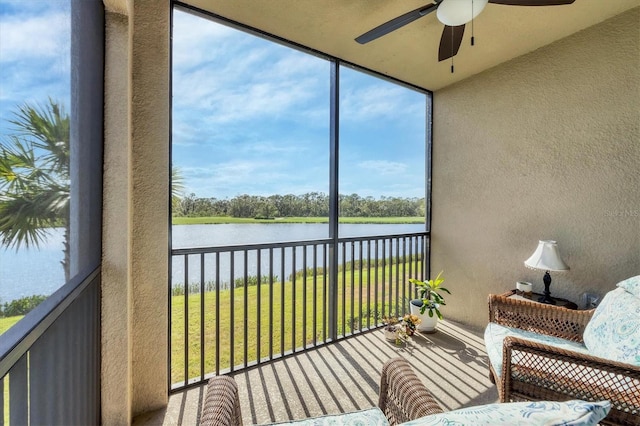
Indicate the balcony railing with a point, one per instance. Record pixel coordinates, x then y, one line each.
238 306
50 360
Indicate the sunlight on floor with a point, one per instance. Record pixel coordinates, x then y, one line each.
345 376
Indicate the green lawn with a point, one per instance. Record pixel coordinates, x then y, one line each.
7 323
282 332
228 219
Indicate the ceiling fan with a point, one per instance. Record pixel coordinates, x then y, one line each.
454 14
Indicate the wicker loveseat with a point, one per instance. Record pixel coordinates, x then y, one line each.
544 352
403 398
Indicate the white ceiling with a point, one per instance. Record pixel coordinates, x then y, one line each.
410 53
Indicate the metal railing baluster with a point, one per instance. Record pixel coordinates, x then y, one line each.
270 303
404 272
245 308
232 310
217 313
293 300
304 297
398 312
202 275
315 293
282 271
258 306
325 301
360 285
186 319
344 289
352 286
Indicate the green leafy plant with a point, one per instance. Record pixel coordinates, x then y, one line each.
429 292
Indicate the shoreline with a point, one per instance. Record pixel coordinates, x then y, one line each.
223 220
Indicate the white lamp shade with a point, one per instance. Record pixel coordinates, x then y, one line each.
459 12
546 257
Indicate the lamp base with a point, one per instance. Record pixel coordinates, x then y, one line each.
547 299
547 294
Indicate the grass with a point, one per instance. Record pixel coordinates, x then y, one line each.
292 306
7 323
357 220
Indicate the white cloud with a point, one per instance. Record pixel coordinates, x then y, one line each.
34 37
229 76
366 98
198 41
257 177
384 167
34 54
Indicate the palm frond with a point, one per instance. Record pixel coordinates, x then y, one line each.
34 175
24 218
49 126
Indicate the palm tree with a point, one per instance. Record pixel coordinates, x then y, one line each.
34 177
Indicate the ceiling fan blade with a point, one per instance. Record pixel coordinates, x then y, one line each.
396 23
532 2
450 42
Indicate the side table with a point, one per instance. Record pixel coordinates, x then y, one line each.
563 303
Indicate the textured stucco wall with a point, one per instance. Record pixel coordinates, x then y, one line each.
150 201
136 203
116 270
546 146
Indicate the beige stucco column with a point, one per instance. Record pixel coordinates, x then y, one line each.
136 202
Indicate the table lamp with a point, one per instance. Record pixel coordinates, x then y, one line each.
546 258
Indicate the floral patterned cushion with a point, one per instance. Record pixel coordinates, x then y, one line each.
631 285
371 416
614 330
494 337
573 413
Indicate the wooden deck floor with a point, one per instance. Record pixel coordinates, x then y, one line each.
345 376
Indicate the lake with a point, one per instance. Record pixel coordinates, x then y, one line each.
28 272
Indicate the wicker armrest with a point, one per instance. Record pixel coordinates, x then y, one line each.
221 405
537 317
541 372
403 396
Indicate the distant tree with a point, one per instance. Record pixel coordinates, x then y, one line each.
305 205
34 177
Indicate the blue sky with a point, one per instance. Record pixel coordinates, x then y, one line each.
34 54
252 116
249 116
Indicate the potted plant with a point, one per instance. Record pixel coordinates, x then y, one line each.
410 322
391 329
430 301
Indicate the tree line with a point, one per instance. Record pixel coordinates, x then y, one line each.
311 204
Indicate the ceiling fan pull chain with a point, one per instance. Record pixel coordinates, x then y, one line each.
472 38
452 50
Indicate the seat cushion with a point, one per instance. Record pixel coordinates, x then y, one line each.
495 334
573 413
614 330
371 416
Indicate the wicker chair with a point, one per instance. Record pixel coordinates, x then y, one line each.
537 371
403 397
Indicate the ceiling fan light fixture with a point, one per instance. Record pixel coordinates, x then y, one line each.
459 12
